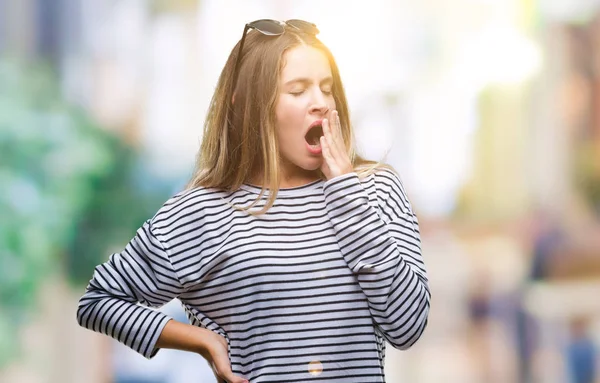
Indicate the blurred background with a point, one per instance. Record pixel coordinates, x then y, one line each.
489 110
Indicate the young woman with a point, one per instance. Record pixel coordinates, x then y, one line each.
294 258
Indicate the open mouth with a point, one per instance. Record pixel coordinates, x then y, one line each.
313 137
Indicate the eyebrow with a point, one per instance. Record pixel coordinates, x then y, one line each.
305 80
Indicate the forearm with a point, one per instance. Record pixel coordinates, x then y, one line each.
183 336
133 325
382 247
118 298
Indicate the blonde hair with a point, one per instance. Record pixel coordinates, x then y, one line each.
239 139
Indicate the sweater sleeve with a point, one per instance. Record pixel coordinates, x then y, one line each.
382 247
141 273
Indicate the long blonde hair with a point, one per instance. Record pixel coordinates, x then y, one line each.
239 139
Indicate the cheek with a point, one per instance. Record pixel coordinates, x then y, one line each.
289 115
283 118
331 103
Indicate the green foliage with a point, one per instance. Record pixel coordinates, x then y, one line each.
70 192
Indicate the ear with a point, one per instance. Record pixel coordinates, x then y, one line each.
233 99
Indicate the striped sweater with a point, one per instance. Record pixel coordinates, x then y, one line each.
308 292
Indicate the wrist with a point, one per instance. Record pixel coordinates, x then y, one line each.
183 336
201 339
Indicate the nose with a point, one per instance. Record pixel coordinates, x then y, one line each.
319 104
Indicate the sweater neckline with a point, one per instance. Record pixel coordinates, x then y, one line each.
286 191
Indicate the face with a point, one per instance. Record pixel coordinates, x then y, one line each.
305 98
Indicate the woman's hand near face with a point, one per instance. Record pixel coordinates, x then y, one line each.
336 161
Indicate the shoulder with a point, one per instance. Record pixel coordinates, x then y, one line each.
187 205
386 183
384 178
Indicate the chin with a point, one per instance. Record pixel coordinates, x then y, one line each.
306 164
311 166
307 168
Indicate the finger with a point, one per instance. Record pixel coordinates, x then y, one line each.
235 379
341 150
326 149
338 128
224 373
332 125
332 145
229 377
337 132
325 165
326 131
328 166
325 126
335 119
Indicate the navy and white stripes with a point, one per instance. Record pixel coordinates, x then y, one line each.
319 280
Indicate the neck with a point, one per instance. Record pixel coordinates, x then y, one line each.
292 175
289 179
298 180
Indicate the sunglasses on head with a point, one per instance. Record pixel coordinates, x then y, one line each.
270 27
276 28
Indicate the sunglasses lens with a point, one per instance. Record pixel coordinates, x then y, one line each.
267 27
303 26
